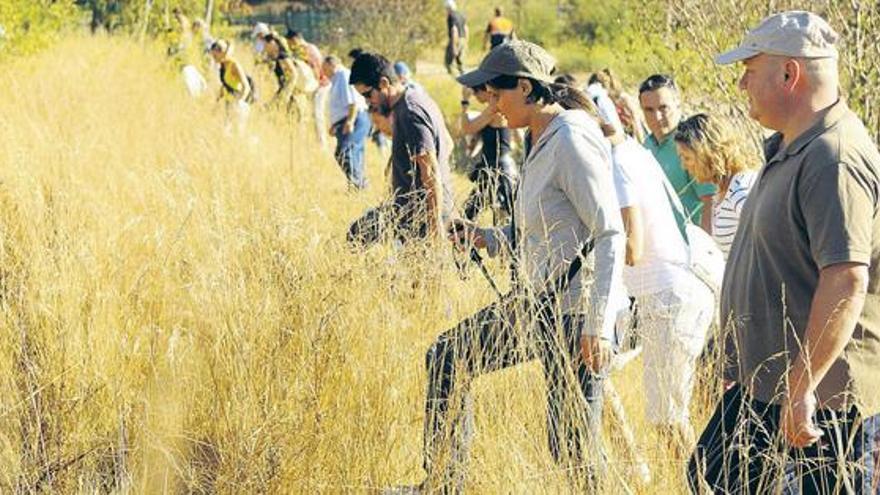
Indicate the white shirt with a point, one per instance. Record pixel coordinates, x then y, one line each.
726 210
342 95
638 180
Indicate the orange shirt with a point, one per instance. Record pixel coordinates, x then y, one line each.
500 25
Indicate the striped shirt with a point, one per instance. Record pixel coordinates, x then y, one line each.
726 211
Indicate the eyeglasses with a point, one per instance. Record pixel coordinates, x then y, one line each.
368 93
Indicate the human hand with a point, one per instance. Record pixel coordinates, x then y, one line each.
465 234
348 127
796 419
596 352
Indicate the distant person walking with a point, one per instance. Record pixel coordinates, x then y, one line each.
499 30
661 104
713 154
566 211
350 122
801 293
457 37
494 174
422 203
236 90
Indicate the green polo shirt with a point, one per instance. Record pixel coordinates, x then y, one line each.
689 190
815 204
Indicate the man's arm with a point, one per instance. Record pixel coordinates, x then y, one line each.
348 126
706 219
428 171
834 312
632 224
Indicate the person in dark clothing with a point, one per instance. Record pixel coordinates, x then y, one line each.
457 32
422 203
494 173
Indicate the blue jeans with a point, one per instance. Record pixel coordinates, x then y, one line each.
489 341
741 451
350 149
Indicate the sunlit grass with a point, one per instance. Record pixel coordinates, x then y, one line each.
180 310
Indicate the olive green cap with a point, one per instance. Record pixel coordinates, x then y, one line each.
514 58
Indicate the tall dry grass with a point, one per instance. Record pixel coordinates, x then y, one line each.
180 311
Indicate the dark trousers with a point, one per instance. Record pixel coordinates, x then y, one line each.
388 221
742 451
490 341
454 54
349 151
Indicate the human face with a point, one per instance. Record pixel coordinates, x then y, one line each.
483 96
272 49
377 98
662 111
763 81
512 103
217 55
328 70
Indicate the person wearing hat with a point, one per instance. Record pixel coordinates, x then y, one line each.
557 313
801 294
457 33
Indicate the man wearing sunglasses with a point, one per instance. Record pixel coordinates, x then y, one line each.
420 175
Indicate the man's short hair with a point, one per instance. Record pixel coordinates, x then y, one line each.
369 68
498 11
294 34
657 81
332 60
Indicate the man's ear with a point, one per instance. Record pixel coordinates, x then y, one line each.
793 72
384 83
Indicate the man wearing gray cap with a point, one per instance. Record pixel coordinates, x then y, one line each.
801 293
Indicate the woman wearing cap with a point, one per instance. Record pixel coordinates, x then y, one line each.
712 154
235 86
565 210
494 173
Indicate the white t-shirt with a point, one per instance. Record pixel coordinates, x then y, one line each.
726 210
638 180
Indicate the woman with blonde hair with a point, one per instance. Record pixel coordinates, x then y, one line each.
236 89
712 153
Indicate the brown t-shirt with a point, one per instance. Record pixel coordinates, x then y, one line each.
815 204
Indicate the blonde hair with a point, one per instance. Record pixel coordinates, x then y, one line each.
719 152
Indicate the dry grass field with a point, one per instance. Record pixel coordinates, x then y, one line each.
180 312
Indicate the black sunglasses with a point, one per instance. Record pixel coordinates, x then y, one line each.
368 93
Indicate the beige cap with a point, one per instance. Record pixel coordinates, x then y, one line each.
514 58
795 34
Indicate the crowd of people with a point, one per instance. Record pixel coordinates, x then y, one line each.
621 204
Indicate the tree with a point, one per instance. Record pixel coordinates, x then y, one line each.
398 29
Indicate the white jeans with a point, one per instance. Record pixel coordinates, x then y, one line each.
674 323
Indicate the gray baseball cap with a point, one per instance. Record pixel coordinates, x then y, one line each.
794 34
514 58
